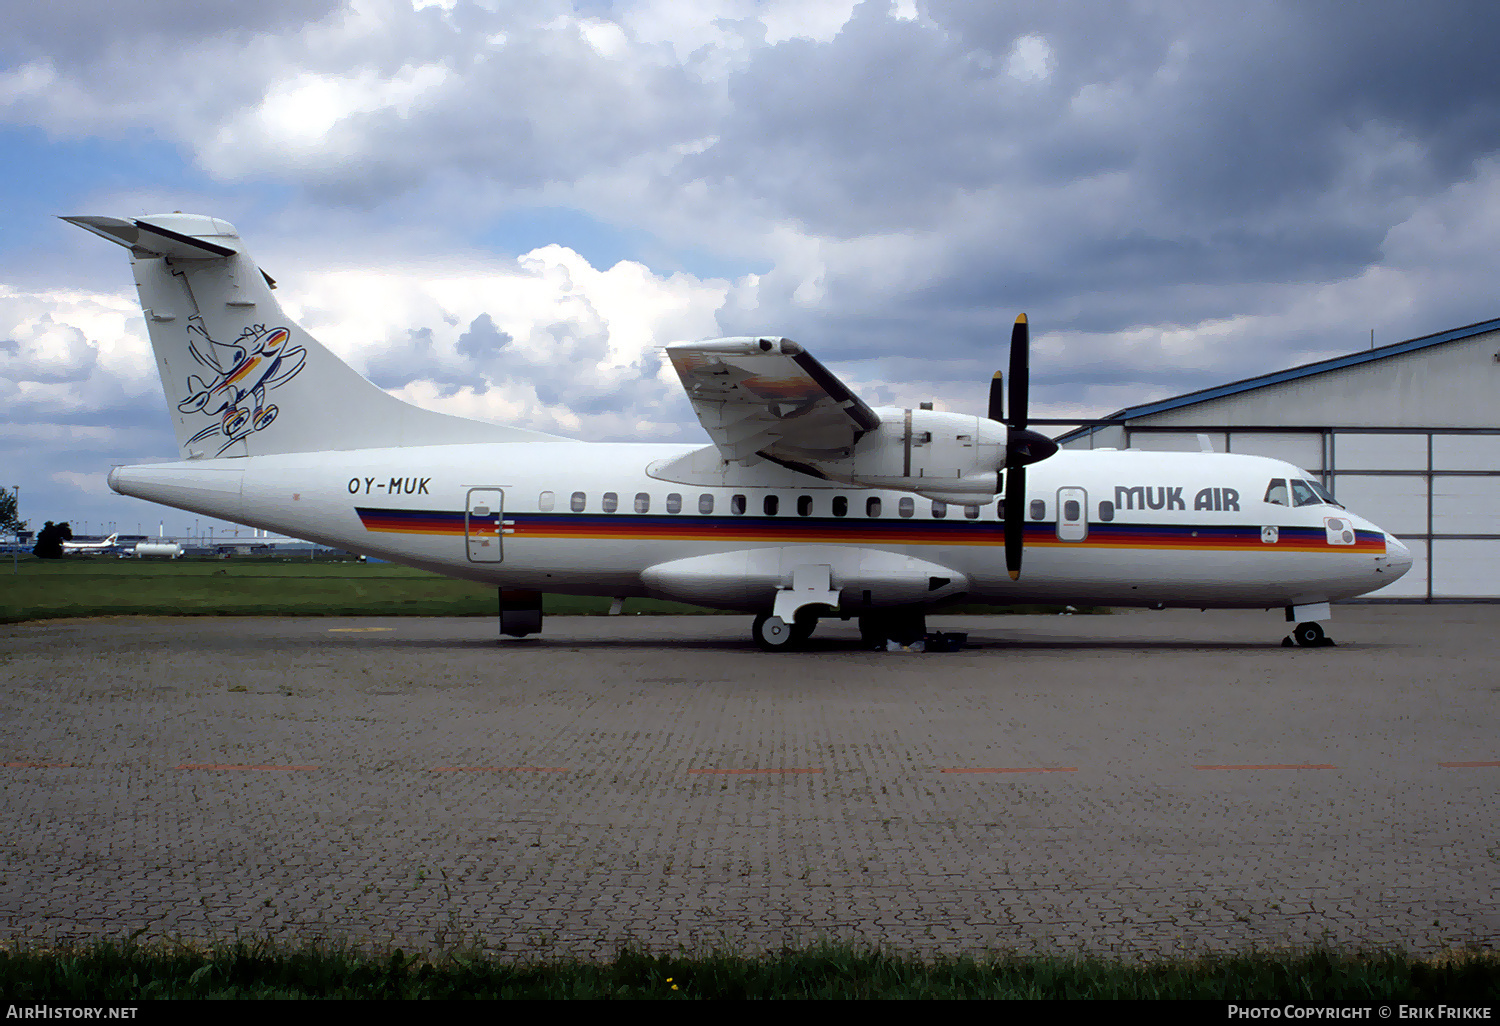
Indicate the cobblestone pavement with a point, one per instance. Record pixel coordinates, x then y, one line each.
1137 784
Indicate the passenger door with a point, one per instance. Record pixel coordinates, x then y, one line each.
1072 514
484 523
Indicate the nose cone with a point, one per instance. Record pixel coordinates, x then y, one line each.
1025 447
1397 557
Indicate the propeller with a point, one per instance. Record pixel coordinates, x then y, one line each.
1021 446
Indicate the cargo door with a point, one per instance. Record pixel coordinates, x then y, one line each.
483 524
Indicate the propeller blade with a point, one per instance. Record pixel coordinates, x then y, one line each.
1015 518
997 396
1020 372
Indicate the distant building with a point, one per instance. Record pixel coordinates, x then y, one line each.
1405 434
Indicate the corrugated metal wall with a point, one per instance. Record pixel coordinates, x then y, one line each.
1437 489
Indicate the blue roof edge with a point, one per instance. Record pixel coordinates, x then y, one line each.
1290 374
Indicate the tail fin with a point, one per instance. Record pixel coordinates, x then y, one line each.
242 379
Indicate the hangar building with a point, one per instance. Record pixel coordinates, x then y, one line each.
1407 435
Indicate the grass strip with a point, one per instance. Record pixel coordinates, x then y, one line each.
109 971
101 586
51 589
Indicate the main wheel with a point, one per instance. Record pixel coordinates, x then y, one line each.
772 633
802 628
902 625
1308 635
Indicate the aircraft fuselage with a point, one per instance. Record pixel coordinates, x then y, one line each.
1126 528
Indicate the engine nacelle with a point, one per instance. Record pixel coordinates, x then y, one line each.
950 457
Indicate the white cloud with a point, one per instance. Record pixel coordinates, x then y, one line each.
561 333
90 484
1030 60
63 335
300 111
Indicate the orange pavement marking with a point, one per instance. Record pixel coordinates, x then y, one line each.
1011 769
744 771
218 766
38 765
1466 765
1275 765
499 769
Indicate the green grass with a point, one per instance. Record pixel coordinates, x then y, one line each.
104 586
101 586
108 972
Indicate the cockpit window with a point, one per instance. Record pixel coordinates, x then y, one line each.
1324 494
1303 495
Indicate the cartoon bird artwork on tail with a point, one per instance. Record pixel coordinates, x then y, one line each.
243 370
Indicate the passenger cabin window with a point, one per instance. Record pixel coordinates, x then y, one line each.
1070 510
971 512
907 506
1106 510
546 501
705 504
674 503
840 506
1038 509
642 502
578 502
939 509
737 505
804 505
1276 493
872 506
611 502
770 505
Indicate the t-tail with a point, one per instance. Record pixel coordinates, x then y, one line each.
241 378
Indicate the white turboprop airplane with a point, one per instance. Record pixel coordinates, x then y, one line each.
808 503
98 546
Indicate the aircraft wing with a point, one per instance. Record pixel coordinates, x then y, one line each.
768 398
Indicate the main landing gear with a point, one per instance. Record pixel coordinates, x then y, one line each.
773 634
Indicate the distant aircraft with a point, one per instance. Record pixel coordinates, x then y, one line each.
98 546
807 504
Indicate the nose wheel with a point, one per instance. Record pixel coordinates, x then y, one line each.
1308 635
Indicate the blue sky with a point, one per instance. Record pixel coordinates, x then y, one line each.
1178 194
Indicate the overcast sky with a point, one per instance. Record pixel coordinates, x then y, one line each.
503 209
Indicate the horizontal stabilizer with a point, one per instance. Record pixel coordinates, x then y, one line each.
146 238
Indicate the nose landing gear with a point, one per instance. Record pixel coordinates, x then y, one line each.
1308 635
